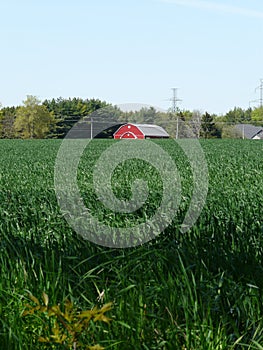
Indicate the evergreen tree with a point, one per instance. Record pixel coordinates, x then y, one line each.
69 111
208 127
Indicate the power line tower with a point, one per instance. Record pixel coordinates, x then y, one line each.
260 88
174 100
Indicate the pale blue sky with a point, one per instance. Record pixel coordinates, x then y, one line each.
133 51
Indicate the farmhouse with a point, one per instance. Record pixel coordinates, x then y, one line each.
248 131
140 131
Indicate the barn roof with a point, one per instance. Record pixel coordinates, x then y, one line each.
249 130
152 130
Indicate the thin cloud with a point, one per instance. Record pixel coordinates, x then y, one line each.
213 6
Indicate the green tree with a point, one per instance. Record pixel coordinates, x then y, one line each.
7 128
71 110
208 127
147 115
7 117
1 118
257 115
230 132
238 115
33 120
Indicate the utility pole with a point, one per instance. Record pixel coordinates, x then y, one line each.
174 100
91 128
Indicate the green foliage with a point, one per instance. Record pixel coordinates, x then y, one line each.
257 115
33 119
237 116
208 127
7 119
68 325
50 119
7 130
71 110
64 113
230 132
9 111
73 107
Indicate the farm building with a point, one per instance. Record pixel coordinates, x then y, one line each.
140 131
248 131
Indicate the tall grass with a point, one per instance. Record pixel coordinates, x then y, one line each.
198 290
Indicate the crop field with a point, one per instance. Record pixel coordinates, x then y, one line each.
197 290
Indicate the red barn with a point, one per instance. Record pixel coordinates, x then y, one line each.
140 131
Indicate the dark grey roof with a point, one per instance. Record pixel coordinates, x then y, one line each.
152 130
249 131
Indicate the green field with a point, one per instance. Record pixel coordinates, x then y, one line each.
199 290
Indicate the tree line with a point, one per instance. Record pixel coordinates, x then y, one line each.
48 119
54 118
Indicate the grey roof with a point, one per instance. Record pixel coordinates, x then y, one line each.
152 130
249 131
